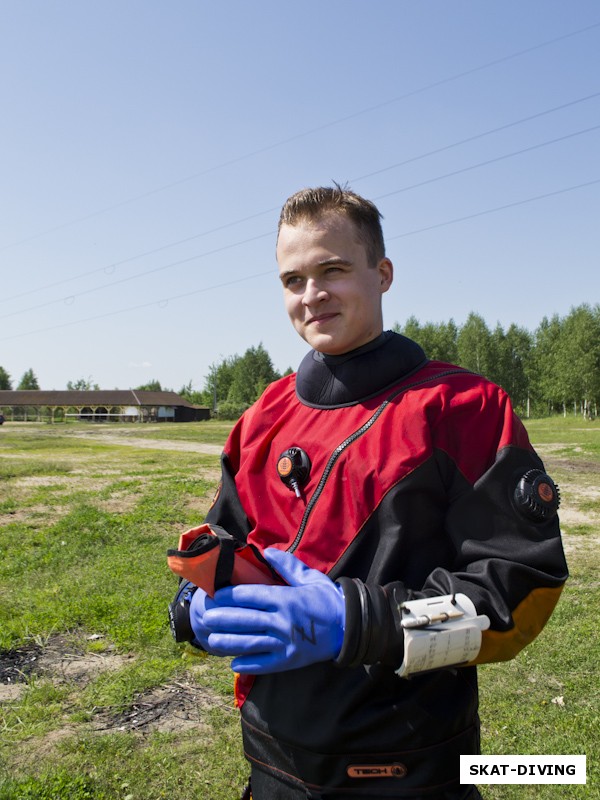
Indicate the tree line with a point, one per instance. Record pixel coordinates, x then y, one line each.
233 384
28 380
554 369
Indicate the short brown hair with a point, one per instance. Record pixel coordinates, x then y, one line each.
311 204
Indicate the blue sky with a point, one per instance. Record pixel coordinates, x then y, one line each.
147 148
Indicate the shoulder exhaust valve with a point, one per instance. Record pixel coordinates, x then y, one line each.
537 497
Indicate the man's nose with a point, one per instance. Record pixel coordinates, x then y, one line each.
314 292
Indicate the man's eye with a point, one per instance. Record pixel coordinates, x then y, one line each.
291 281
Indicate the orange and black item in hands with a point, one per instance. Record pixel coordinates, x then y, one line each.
211 558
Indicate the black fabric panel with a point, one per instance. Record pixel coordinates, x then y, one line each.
227 510
501 556
401 539
333 715
481 544
421 770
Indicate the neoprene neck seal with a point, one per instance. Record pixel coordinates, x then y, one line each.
335 381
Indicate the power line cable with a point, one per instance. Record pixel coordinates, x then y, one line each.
493 210
165 301
317 129
477 136
70 298
110 268
487 162
163 267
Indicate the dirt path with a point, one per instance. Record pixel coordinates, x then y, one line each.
152 444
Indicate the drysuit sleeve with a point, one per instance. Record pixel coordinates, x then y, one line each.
508 562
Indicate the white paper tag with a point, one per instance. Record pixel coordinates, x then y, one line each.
440 632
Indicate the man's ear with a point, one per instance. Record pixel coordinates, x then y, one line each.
386 274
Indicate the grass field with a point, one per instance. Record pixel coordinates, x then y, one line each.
96 701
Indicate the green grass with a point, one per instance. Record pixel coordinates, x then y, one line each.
577 435
208 432
546 701
84 527
83 541
18 469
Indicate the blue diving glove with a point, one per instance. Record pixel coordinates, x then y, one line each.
277 628
200 602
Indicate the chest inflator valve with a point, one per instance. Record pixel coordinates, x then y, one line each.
293 467
537 496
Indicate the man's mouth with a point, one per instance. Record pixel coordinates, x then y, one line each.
321 318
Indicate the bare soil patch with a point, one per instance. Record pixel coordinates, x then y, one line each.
586 546
175 707
573 491
26 515
180 705
118 502
63 658
17 665
552 461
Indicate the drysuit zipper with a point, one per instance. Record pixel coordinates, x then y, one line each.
350 440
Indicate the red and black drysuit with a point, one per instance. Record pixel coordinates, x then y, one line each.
410 494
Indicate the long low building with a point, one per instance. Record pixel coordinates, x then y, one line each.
129 405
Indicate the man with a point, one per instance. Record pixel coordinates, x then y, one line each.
400 504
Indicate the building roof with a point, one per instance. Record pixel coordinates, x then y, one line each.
101 397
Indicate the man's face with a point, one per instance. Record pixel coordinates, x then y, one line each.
332 294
